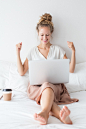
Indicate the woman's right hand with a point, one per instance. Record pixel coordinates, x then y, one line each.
18 48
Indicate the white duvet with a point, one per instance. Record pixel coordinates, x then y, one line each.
18 113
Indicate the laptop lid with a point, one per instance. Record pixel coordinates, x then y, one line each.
53 71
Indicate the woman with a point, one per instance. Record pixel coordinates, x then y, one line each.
55 94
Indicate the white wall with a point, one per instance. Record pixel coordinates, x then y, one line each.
18 19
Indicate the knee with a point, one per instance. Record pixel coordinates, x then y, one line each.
47 85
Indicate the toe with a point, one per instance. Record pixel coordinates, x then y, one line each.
67 110
65 107
35 115
61 112
63 115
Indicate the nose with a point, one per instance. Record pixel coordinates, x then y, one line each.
45 37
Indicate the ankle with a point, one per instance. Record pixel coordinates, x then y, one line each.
45 111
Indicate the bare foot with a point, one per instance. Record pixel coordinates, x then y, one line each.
41 117
64 115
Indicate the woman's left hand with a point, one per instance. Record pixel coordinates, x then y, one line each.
71 45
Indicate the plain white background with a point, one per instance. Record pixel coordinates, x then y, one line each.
18 20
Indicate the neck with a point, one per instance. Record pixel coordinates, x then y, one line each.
44 46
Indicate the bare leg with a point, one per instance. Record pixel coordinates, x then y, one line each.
46 104
61 114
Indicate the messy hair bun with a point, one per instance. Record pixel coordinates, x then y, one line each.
45 17
45 20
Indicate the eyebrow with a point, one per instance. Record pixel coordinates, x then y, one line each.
47 34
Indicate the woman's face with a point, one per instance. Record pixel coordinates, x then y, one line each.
44 35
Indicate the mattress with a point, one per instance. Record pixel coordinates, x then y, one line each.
18 113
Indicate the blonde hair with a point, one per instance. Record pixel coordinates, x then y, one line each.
45 21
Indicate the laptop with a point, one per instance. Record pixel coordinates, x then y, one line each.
53 71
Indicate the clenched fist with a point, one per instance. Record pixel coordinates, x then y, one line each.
18 48
71 45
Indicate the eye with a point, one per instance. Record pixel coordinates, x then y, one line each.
47 35
41 35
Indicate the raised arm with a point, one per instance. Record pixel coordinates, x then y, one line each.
73 60
22 68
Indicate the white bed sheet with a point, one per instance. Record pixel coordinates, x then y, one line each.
18 113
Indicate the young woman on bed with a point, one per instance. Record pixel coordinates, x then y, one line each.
55 94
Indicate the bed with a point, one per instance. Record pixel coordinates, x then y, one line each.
18 113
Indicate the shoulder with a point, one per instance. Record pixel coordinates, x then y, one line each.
56 47
31 52
33 49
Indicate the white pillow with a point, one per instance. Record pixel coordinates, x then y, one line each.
17 82
77 80
4 73
10 78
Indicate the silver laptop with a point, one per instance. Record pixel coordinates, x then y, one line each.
54 71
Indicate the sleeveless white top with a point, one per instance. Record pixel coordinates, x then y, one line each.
55 52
